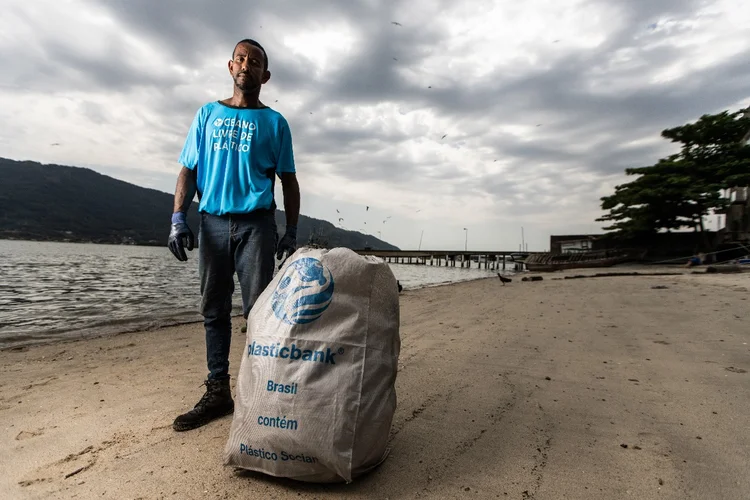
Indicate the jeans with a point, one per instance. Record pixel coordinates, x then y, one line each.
244 244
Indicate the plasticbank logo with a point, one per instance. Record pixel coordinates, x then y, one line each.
218 122
304 292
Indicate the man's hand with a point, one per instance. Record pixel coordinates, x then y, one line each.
180 236
288 243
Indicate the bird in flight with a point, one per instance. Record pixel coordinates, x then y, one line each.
367 208
55 144
395 23
446 135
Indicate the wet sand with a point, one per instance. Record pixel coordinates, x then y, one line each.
588 388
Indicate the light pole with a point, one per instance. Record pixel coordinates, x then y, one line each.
466 239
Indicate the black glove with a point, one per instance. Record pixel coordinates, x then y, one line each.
180 236
288 243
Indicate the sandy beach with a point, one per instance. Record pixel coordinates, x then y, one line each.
600 388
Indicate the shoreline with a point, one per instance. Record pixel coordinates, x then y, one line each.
136 326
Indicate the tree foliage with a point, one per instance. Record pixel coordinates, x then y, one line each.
678 191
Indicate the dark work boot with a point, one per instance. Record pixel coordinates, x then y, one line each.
216 402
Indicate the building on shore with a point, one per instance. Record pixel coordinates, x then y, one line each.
573 243
737 224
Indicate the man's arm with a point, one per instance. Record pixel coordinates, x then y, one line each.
185 190
290 188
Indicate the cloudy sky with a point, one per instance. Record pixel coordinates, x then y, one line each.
485 115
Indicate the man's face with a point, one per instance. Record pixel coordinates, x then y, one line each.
246 67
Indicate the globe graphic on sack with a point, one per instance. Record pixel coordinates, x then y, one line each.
303 293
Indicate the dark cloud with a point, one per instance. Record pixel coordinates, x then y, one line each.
591 103
193 29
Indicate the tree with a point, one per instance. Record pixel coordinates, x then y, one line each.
714 146
680 190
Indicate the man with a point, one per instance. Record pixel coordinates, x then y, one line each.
233 151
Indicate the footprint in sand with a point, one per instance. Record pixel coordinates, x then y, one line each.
23 435
39 384
663 342
735 370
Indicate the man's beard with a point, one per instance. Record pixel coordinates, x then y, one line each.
245 84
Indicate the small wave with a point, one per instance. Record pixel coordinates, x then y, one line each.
94 330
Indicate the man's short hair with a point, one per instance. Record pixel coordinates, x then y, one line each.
256 44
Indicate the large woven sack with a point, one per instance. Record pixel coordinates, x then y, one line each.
316 387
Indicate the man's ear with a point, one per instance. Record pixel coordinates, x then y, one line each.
229 66
266 76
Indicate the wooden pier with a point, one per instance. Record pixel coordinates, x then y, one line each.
497 260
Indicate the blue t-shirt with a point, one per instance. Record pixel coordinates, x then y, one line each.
237 152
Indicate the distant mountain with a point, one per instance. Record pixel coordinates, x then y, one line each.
60 203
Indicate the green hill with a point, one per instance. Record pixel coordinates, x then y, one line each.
61 203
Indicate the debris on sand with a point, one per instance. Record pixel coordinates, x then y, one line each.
727 268
611 275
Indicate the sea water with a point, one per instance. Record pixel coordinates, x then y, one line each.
50 291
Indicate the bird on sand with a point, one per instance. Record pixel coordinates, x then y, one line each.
503 279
